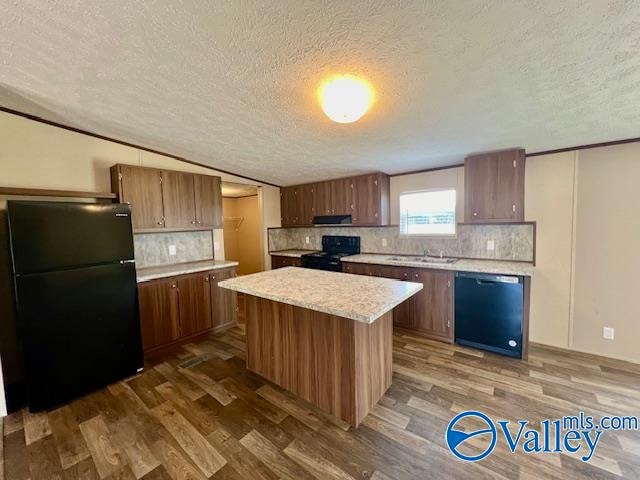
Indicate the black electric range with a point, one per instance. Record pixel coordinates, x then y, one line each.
334 247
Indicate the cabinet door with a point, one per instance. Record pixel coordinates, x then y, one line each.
278 261
432 311
342 197
494 187
224 303
208 201
323 198
290 206
308 200
403 313
195 304
142 188
366 200
179 199
158 301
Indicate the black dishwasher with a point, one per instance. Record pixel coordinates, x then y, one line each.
489 312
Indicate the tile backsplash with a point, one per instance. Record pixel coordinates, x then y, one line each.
510 242
152 249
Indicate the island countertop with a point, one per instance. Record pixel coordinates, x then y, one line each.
357 297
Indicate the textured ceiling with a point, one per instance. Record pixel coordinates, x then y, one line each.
232 83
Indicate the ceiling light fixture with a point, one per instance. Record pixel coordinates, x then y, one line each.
345 98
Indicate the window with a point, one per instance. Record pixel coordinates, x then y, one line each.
431 212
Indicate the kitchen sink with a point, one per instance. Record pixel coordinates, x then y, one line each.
438 260
425 259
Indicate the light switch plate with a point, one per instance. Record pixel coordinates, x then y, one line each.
306 240
384 242
172 250
491 245
216 245
608 333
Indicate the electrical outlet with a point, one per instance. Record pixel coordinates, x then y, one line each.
216 245
172 250
491 245
384 242
306 240
608 333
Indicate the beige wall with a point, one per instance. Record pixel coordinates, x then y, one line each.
549 201
585 204
270 218
437 179
242 240
607 251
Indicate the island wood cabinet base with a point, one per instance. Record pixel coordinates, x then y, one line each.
339 365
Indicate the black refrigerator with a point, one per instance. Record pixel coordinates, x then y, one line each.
76 297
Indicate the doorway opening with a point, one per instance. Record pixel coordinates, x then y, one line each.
241 223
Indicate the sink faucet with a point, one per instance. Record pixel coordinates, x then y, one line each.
427 253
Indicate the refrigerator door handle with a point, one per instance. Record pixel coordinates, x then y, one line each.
122 262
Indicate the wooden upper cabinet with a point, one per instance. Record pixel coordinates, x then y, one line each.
142 188
178 197
224 302
494 187
308 203
342 196
168 199
323 200
208 201
159 317
365 198
195 304
368 198
290 205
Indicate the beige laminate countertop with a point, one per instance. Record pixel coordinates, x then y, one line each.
291 253
357 297
462 265
153 273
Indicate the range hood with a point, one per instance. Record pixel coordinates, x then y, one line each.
332 220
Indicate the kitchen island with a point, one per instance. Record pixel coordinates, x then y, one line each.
324 336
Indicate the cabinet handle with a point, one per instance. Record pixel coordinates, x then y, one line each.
193 222
213 277
475 214
206 279
199 222
159 222
416 275
173 285
448 283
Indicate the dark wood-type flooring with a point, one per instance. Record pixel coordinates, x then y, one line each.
198 413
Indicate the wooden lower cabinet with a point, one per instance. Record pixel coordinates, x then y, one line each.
195 304
278 261
431 310
178 308
159 317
